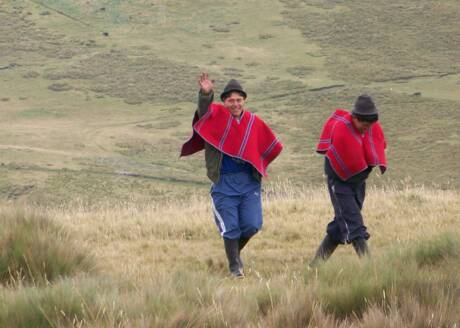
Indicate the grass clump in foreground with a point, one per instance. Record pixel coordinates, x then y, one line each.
392 290
422 276
36 250
66 303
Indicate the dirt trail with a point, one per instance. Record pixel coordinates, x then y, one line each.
441 86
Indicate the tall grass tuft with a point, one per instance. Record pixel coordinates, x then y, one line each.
431 252
349 287
36 250
66 303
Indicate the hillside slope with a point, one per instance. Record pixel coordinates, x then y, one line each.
96 98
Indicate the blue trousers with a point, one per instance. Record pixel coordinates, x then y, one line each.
237 214
347 199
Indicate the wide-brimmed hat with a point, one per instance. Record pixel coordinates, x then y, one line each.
364 105
232 85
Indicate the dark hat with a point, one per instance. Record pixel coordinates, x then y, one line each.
232 85
364 105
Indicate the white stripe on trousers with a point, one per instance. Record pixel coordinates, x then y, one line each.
219 218
341 213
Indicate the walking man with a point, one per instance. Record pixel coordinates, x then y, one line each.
238 146
353 143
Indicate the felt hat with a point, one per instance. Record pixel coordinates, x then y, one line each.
232 85
364 105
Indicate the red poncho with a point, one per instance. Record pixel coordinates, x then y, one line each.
248 138
348 151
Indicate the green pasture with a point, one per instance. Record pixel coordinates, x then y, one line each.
97 97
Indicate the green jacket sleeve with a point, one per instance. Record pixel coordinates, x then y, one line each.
203 102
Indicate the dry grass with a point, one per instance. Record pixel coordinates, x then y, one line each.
164 265
295 221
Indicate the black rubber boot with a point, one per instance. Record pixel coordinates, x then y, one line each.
360 246
232 250
325 250
241 243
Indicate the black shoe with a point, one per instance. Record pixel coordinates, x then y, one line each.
325 250
360 246
233 252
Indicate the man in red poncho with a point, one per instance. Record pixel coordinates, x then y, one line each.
238 148
353 143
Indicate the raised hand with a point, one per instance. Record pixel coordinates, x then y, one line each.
206 85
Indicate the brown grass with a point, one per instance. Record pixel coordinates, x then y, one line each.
166 266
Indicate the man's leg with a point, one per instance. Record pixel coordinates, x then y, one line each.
360 246
325 250
243 241
250 218
335 231
250 215
233 254
349 201
341 194
360 243
225 210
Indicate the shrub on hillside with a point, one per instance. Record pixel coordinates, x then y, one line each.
34 249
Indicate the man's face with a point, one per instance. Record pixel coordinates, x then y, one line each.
361 126
235 103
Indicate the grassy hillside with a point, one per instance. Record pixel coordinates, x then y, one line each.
102 225
96 97
163 265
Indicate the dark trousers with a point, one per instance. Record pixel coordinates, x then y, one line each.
347 199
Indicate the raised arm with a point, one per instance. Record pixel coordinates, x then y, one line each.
206 94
